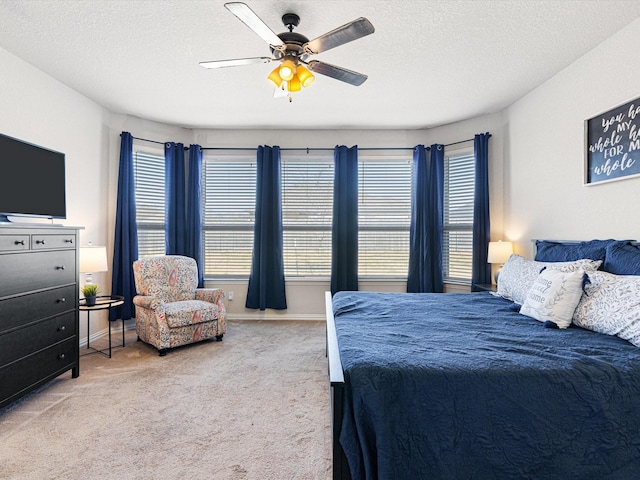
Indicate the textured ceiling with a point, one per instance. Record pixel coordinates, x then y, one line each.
429 62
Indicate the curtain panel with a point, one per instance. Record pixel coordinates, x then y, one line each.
266 281
344 231
125 247
193 241
426 229
480 269
175 200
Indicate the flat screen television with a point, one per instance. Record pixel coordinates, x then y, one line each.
32 180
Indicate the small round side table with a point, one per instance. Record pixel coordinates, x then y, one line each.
103 302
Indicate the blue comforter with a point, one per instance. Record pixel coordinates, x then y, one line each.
461 386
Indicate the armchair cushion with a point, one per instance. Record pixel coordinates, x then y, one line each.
189 312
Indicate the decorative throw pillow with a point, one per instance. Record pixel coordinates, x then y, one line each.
554 296
622 259
547 251
611 306
519 273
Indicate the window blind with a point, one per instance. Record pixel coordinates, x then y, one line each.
148 171
384 215
228 211
459 185
307 212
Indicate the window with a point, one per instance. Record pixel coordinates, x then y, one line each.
384 214
228 202
307 212
148 170
384 211
459 181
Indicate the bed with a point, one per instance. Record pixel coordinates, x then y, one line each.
464 386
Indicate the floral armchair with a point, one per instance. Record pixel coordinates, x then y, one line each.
170 310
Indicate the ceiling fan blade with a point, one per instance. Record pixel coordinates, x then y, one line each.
339 73
349 32
251 20
235 62
280 92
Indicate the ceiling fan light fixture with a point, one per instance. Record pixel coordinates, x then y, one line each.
292 49
275 77
305 76
287 70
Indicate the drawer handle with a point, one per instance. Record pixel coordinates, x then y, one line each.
68 240
61 300
62 328
60 267
61 356
40 242
19 242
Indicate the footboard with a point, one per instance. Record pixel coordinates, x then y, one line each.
336 392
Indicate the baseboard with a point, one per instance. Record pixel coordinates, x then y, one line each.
131 324
314 317
116 328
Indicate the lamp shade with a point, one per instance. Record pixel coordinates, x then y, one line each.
294 84
499 252
93 259
274 76
305 76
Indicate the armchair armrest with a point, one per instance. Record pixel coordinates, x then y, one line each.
211 295
151 303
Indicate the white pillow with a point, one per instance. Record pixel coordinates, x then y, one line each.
554 296
519 273
611 306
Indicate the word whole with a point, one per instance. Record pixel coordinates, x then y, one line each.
620 136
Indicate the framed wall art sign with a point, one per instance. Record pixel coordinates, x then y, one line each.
612 150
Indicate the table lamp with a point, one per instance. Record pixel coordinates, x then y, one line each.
499 253
92 259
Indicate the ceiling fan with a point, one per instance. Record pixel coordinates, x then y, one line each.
293 50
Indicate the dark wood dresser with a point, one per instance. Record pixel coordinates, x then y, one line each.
38 306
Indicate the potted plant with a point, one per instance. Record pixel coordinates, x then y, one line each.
90 292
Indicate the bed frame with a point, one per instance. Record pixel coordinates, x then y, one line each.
336 393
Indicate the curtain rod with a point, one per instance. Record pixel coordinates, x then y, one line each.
145 140
307 149
316 149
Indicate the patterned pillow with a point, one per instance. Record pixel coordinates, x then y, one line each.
611 306
519 273
554 296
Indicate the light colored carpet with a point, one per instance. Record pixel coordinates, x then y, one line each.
254 406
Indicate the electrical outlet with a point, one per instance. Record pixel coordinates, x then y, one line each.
230 296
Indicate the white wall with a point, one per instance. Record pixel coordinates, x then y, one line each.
544 145
38 109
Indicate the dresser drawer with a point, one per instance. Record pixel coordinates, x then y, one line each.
21 376
24 272
41 241
18 311
9 243
27 340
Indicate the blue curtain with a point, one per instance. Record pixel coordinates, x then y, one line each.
193 247
266 282
125 245
481 270
425 233
175 200
344 231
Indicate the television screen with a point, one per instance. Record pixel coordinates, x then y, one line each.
32 180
